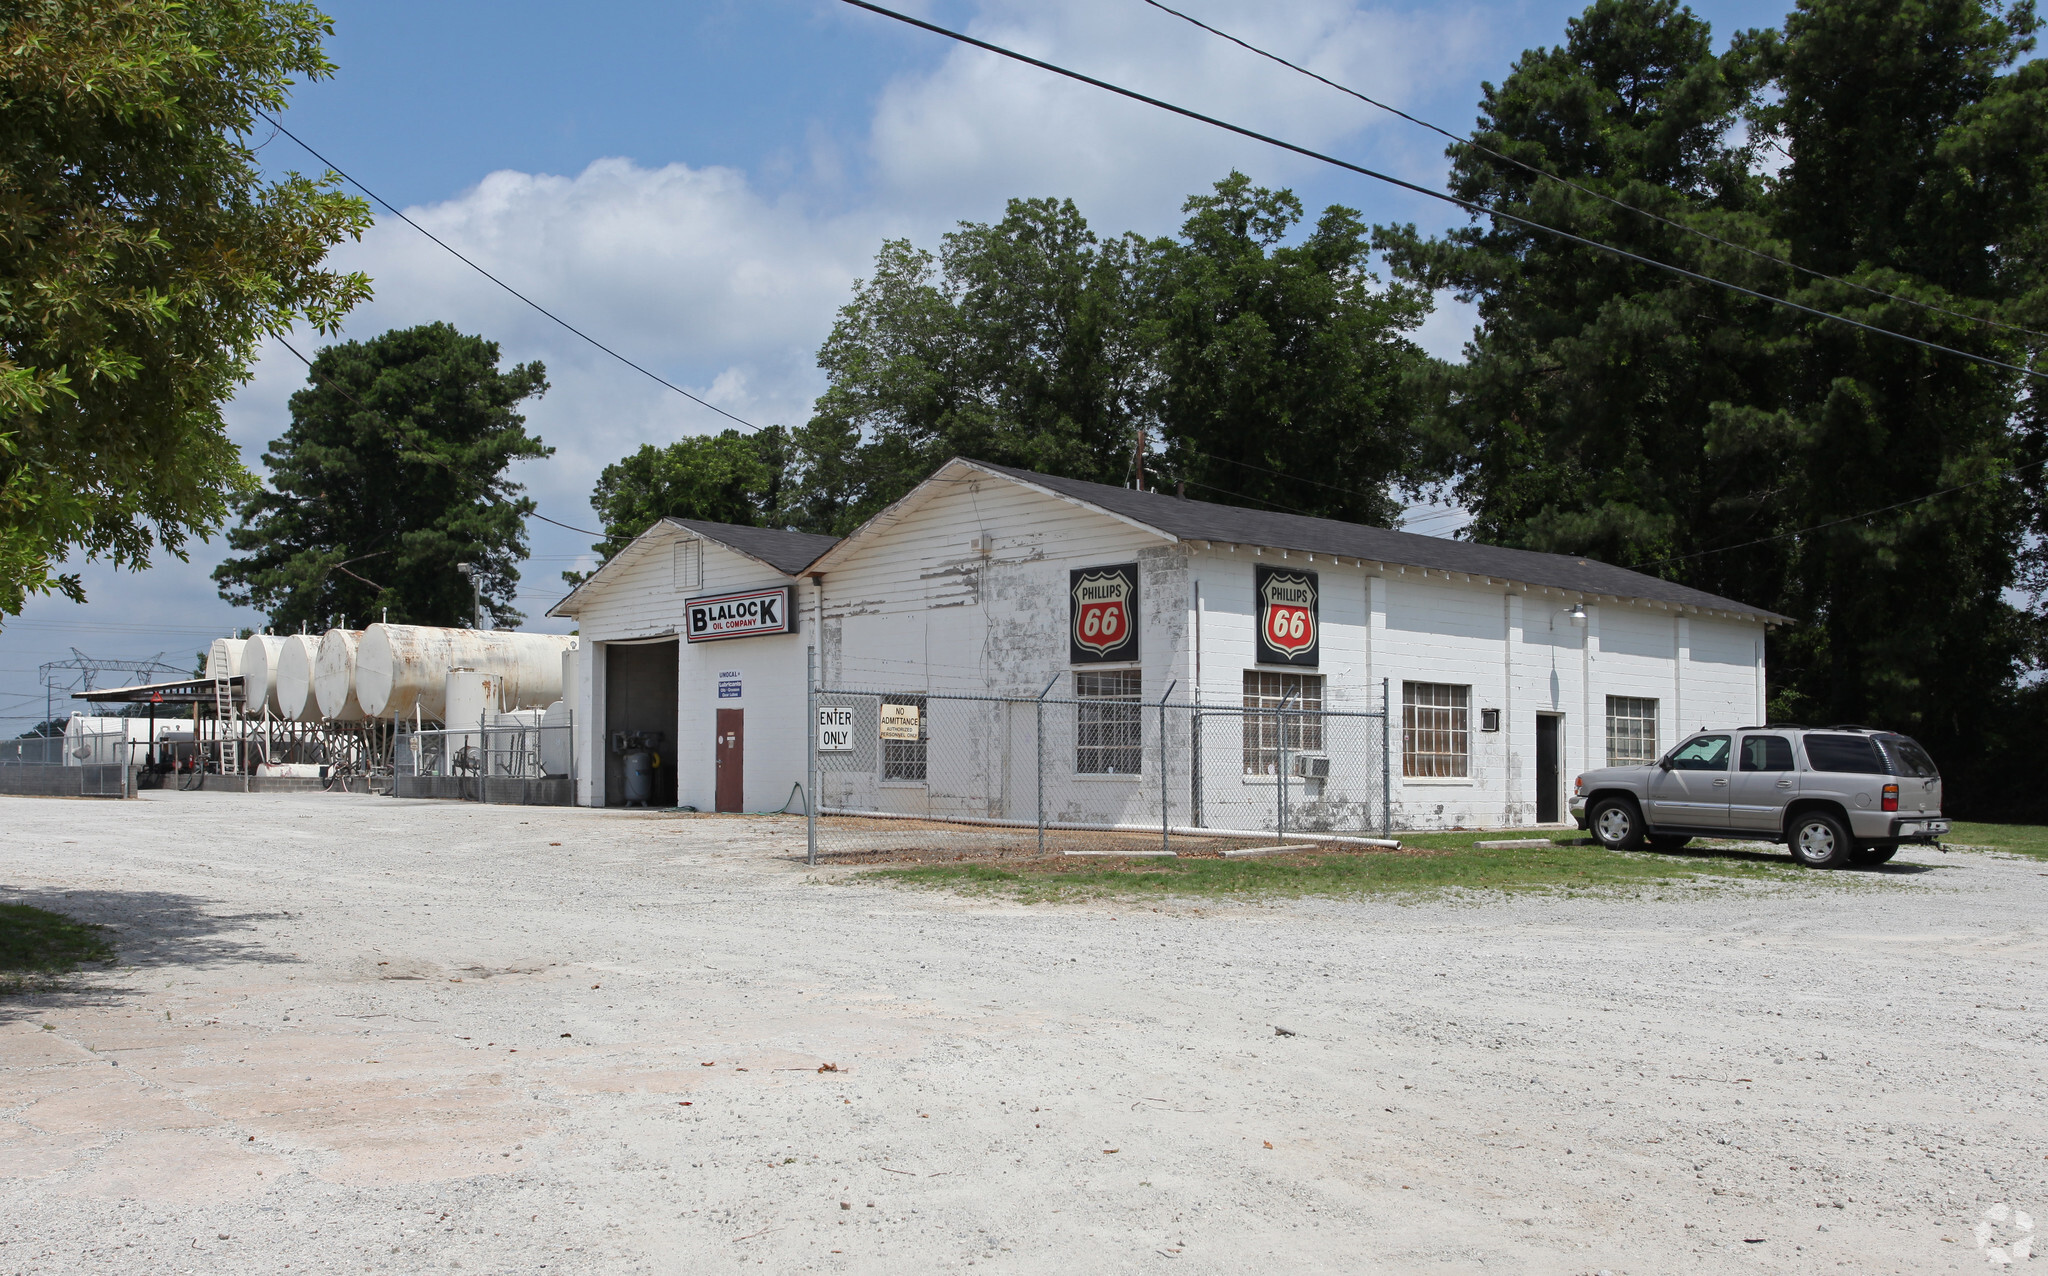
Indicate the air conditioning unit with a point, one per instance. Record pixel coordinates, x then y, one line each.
1312 766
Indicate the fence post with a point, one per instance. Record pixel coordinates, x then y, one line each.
811 757
1386 762
1039 744
1165 825
1281 788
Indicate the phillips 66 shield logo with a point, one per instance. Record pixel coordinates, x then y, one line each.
1103 614
1287 617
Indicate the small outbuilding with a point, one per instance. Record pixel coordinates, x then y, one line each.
1501 672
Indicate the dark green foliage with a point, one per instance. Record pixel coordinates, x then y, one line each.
1614 411
1282 370
393 471
142 258
1017 344
720 478
1218 359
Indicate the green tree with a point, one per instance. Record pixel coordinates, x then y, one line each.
1284 374
1018 343
720 478
142 259
392 472
1611 410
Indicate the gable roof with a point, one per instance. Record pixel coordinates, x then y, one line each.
1191 520
786 552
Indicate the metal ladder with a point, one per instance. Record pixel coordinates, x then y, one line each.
225 723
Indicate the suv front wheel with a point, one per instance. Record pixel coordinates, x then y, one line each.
1819 840
1616 823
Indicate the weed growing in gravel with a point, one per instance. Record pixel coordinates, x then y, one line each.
36 943
1425 862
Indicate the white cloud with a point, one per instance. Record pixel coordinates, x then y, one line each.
700 275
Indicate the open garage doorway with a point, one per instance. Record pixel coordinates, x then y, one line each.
640 697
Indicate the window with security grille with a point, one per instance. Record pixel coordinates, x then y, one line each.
1631 731
1108 731
1436 739
1301 726
905 759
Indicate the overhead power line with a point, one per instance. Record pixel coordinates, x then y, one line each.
1484 149
543 310
1479 210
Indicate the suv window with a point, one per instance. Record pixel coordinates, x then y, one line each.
1907 757
1854 754
1766 753
1706 753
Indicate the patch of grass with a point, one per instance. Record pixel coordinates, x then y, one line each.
1426 862
2020 839
35 942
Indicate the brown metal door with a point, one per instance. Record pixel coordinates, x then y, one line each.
732 752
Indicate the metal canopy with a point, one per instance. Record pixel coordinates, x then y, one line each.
188 691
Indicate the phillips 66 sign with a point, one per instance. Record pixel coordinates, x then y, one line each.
1289 632
1102 613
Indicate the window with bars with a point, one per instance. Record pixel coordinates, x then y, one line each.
1436 739
1301 727
1108 729
1631 731
905 759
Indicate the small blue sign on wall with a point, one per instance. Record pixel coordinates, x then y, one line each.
729 685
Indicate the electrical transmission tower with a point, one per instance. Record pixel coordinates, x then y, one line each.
84 672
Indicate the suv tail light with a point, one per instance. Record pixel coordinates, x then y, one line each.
1579 786
1891 797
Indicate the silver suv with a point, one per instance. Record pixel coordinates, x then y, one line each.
1833 795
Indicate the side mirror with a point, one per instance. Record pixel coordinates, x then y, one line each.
1664 763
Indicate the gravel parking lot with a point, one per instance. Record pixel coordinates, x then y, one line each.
360 1034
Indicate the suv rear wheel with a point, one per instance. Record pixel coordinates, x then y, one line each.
1616 824
1819 840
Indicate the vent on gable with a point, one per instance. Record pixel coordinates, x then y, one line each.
689 565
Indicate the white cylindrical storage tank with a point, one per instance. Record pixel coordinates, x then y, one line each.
295 698
557 750
402 670
260 654
469 696
224 658
334 675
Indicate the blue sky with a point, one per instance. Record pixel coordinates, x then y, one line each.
699 183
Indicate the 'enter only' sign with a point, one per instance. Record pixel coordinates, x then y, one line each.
835 729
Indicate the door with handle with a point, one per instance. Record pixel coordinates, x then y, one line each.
731 751
1765 782
1692 791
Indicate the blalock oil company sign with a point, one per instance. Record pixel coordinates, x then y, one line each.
1102 612
741 615
1290 629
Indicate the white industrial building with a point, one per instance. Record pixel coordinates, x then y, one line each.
1504 672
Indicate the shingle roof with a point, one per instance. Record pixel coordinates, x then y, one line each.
787 552
1204 521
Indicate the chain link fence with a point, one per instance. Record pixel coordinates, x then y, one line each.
916 774
76 764
515 762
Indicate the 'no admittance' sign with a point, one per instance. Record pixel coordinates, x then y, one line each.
1102 612
1289 632
745 615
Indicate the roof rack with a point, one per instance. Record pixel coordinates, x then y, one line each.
1850 726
